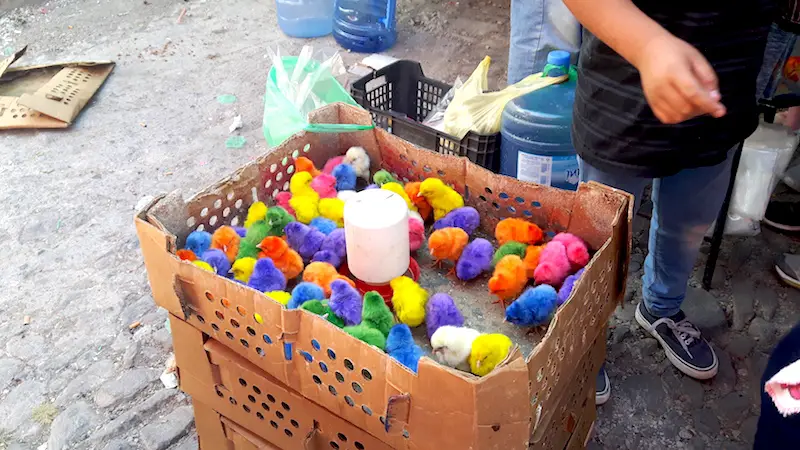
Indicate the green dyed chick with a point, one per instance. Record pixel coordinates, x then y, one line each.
509 248
248 246
321 308
277 218
366 334
383 176
375 314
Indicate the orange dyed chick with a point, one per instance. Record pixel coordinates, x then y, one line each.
519 230
227 240
509 279
447 244
532 258
303 164
323 274
288 261
186 255
423 207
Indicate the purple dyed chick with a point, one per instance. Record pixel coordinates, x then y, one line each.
566 288
266 277
475 259
372 186
326 226
218 260
304 292
345 177
303 239
534 307
327 256
198 242
241 231
335 243
441 310
466 218
400 345
345 302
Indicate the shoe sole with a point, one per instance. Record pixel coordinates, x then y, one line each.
781 226
676 361
600 398
787 279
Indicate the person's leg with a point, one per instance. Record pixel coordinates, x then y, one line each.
774 431
684 207
779 46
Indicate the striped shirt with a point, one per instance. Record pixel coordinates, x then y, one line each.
614 128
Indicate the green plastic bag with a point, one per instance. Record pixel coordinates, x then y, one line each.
298 85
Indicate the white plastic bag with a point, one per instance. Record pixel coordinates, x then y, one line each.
435 118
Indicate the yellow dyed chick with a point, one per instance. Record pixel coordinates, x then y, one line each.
204 265
333 209
442 197
409 300
256 212
242 268
305 207
488 350
281 297
300 184
398 189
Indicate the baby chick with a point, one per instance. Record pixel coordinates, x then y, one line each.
382 177
409 300
333 209
447 244
346 302
441 310
453 345
324 185
198 242
300 184
281 297
266 277
398 189
509 279
304 292
218 260
371 336
282 199
248 245
242 269
441 197
534 307
359 159
257 211
303 164
345 177
320 308
401 347
488 350
466 218
277 218
509 248
332 163
305 208
288 261
323 274
325 226
531 259
375 314
186 255
475 259
554 265
304 239
566 288
519 230
203 265
577 251
227 240
423 207
416 234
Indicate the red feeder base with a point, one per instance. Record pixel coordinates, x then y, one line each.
384 289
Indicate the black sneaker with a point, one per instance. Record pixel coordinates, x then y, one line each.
681 340
603 387
788 268
783 216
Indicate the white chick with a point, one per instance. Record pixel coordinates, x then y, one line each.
359 159
345 195
452 346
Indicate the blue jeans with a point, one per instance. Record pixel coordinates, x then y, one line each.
538 27
684 206
779 47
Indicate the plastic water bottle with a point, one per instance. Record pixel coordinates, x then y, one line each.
536 144
305 18
366 26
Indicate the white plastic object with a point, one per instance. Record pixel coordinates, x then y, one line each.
376 232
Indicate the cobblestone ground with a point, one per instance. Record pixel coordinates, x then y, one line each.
77 377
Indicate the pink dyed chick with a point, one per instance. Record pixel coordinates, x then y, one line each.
416 234
332 163
554 265
282 199
324 185
577 252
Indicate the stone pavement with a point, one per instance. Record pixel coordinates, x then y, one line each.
78 377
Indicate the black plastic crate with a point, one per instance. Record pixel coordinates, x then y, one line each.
399 96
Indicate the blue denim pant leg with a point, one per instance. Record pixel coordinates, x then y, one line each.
684 206
538 27
780 44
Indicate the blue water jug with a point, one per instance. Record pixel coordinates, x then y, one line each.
536 144
305 18
365 26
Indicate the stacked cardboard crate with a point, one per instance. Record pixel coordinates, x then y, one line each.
262 376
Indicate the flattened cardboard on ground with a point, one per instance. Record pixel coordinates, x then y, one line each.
47 96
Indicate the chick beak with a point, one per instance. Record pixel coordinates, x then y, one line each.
505 320
478 364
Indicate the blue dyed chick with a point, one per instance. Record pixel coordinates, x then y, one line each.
466 218
218 260
304 292
303 239
400 345
325 226
266 277
345 177
475 259
198 242
534 307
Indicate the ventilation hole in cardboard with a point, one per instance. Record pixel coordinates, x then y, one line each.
366 374
535 398
339 377
232 400
215 327
382 420
483 199
270 398
242 312
426 168
527 213
201 319
203 212
244 343
285 406
225 302
331 354
264 406
307 356
15 116
257 390
251 398
512 210
253 193
519 200
229 335
540 374
366 410
334 445
315 344
495 428
357 388
251 331
285 161
238 204
246 408
349 401
279 176
226 212
323 367
268 184
190 222
286 186
316 379
536 204
267 339
550 234
290 170
219 392
503 196
288 432
294 423
229 196
260 352
359 445
414 163
257 317
341 437
440 172
349 365
219 314
235 221
274 424
235 323
273 168
218 203
279 415
407 435
243 382
306 148
201 227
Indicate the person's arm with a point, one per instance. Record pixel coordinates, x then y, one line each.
678 81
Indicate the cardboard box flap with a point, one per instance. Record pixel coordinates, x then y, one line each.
5 63
65 95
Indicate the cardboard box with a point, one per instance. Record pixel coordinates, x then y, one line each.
508 409
47 96
216 432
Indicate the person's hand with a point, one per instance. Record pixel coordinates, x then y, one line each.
678 81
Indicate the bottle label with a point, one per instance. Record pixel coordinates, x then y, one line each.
557 171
